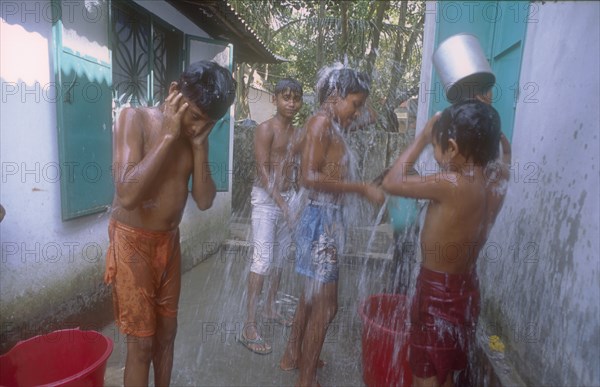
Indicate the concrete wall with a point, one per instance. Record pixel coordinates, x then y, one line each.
261 105
539 271
543 292
51 269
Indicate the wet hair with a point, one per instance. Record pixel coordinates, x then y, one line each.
466 94
209 86
341 82
288 84
475 126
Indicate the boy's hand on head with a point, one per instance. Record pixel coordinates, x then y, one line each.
199 140
173 113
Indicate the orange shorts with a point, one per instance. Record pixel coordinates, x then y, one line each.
145 270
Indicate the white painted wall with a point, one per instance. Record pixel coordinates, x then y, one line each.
540 269
261 105
38 249
544 295
44 260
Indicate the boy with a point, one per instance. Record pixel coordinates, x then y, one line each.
270 211
465 198
156 150
324 174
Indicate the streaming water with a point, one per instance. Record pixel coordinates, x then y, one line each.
373 261
368 266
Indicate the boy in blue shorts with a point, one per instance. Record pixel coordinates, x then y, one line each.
324 173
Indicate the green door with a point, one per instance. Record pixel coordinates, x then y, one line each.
507 47
500 27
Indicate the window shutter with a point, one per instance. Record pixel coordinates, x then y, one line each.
84 108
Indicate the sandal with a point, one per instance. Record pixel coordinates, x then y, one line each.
251 344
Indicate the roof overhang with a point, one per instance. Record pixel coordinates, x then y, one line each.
219 20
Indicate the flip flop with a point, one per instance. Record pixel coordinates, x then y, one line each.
254 342
279 320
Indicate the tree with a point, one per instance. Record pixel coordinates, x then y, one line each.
382 7
382 38
403 51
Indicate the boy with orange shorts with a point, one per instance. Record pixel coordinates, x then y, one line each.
156 151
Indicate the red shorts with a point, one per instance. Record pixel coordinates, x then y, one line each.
443 317
145 270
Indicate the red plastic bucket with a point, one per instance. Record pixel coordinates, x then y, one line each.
385 340
69 357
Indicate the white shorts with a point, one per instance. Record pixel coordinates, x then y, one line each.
271 237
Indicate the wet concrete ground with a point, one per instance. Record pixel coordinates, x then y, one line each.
211 315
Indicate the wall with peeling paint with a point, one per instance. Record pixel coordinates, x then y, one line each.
541 293
540 269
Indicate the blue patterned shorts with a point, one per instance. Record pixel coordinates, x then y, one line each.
319 234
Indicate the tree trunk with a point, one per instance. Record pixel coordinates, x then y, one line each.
320 37
382 7
417 30
401 57
344 37
390 99
242 108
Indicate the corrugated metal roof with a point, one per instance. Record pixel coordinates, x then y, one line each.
221 21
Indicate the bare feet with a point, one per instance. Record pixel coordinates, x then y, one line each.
277 319
316 384
293 365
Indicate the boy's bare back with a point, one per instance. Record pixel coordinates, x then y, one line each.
466 196
456 228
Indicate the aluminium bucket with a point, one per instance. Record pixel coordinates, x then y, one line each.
462 67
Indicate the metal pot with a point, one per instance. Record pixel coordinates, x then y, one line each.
463 68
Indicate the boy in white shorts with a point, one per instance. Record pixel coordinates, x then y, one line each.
271 224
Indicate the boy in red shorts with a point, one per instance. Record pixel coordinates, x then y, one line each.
465 198
156 151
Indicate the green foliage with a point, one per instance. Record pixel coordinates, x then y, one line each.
305 111
343 32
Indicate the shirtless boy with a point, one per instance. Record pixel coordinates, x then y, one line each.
465 198
271 225
324 173
156 150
